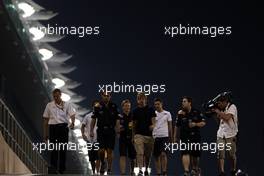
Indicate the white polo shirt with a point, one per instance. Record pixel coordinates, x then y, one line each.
58 114
228 129
87 122
161 128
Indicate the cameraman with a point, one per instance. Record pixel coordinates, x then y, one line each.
226 134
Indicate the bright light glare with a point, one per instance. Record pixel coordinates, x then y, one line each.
77 122
47 54
58 82
136 170
65 97
77 132
89 165
26 8
84 150
82 142
87 159
38 34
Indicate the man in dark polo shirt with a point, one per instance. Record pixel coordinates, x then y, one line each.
126 146
107 117
144 122
189 120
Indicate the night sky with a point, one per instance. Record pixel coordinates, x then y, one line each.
132 48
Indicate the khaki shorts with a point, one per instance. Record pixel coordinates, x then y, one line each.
230 150
143 144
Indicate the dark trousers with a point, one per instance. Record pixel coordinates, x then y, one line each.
58 133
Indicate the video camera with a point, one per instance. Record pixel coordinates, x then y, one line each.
211 104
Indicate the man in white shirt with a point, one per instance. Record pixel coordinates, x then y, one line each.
162 133
226 134
56 118
93 153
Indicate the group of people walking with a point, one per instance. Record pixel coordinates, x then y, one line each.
144 132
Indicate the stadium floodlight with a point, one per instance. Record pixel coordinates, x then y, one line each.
60 68
38 34
58 82
46 54
65 97
27 9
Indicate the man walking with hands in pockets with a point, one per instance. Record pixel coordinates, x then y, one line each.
162 134
56 118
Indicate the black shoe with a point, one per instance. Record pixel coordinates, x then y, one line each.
233 173
222 174
61 172
103 168
164 173
140 173
109 172
146 173
132 174
186 173
195 172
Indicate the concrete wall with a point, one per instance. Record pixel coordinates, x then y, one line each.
9 161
